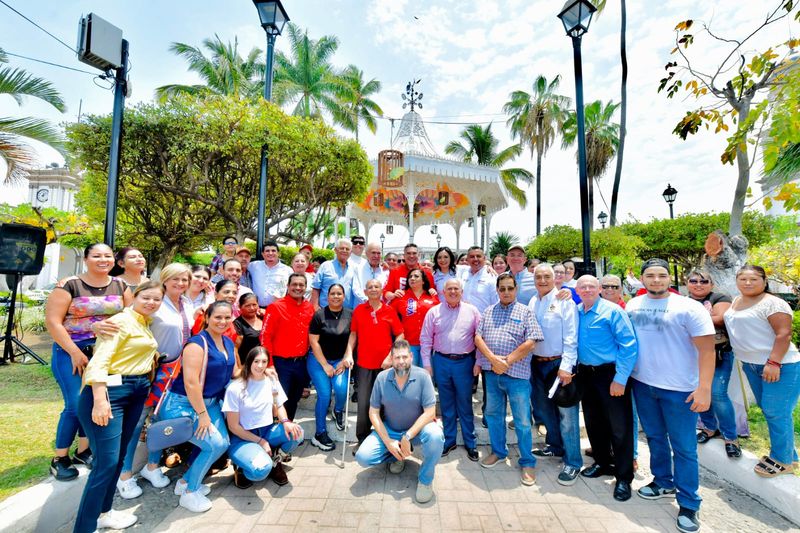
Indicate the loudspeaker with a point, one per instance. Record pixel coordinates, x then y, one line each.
22 249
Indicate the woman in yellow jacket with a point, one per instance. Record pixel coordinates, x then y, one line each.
116 383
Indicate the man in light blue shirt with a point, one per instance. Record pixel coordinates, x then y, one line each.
340 271
526 286
607 352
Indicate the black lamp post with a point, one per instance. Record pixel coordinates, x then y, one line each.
438 241
576 15
669 194
273 19
602 218
382 238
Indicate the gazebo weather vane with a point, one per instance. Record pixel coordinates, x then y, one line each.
411 96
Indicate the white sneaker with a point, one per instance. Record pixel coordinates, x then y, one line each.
129 489
195 502
180 488
155 477
116 520
424 493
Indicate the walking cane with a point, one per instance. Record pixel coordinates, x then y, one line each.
346 413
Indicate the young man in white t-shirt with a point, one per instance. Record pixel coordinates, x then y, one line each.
671 384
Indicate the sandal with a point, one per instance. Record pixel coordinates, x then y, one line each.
733 450
703 436
769 467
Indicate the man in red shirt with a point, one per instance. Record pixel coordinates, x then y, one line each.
374 326
285 336
396 284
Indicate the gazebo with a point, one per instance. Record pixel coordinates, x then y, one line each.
444 190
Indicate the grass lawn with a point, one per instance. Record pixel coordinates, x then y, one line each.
758 443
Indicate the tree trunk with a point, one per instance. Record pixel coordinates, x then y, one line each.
167 254
623 110
538 192
743 166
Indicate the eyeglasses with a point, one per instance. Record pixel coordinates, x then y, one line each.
700 281
227 243
610 286
506 289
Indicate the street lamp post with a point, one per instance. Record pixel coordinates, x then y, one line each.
669 194
382 238
602 218
273 18
438 241
576 16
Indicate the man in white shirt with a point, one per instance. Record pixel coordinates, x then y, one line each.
371 269
269 276
671 383
479 284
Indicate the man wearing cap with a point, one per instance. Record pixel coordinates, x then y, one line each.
269 276
308 251
672 384
555 358
526 286
606 355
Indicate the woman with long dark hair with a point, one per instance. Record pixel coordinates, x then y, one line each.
200 291
130 266
248 325
444 268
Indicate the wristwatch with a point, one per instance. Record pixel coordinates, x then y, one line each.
405 435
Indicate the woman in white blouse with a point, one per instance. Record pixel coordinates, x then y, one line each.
759 326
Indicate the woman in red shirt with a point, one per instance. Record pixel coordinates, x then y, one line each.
412 308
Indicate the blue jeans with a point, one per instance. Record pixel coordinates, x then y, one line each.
108 445
417 357
212 446
323 384
562 423
670 429
777 400
373 452
70 384
721 415
251 457
500 388
454 379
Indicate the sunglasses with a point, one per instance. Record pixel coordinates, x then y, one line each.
610 286
358 243
700 281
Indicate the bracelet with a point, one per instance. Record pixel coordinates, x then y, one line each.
202 413
773 363
284 420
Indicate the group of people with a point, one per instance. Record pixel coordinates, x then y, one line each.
233 347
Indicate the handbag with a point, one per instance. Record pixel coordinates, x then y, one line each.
174 431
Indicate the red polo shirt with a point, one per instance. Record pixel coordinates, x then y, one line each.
376 331
412 311
397 278
285 329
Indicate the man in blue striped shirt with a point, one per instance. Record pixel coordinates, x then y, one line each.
607 353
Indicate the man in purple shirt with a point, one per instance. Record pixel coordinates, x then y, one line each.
447 347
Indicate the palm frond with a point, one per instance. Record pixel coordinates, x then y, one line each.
17 83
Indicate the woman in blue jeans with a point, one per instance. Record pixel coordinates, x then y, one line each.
760 329
116 384
196 393
329 366
251 404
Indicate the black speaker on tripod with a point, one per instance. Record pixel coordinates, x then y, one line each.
21 254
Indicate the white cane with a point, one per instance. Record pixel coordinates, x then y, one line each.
346 413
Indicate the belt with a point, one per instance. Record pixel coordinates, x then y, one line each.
598 368
290 359
542 359
456 356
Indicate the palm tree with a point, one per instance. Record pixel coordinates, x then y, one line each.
480 146
355 104
602 140
18 155
223 71
501 242
535 119
305 77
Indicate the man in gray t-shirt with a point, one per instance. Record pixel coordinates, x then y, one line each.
405 394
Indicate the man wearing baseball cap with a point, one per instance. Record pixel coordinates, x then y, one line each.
526 286
308 251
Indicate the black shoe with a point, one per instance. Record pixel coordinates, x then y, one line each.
472 454
733 450
703 436
323 442
596 471
687 521
62 469
547 451
483 422
278 475
622 491
448 449
338 417
240 480
83 458
354 397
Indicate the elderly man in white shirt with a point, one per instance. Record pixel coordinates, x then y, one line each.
555 357
372 268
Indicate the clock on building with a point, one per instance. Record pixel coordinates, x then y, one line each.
42 195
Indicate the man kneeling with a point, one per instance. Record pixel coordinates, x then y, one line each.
405 394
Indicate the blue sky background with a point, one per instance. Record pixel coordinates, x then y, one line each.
469 54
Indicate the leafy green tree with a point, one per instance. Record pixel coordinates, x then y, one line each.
558 243
501 242
355 103
535 119
68 228
479 145
224 71
14 132
602 140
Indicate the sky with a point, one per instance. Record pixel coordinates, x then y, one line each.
469 54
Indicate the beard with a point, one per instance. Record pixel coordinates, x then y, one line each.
402 371
657 293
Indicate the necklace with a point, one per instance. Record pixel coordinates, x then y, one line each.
335 314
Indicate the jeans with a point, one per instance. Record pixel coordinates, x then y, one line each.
70 384
373 451
212 446
323 384
130 453
721 415
293 378
518 393
777 400
454 379
417 357
108 445
251 457
562 423
670 429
